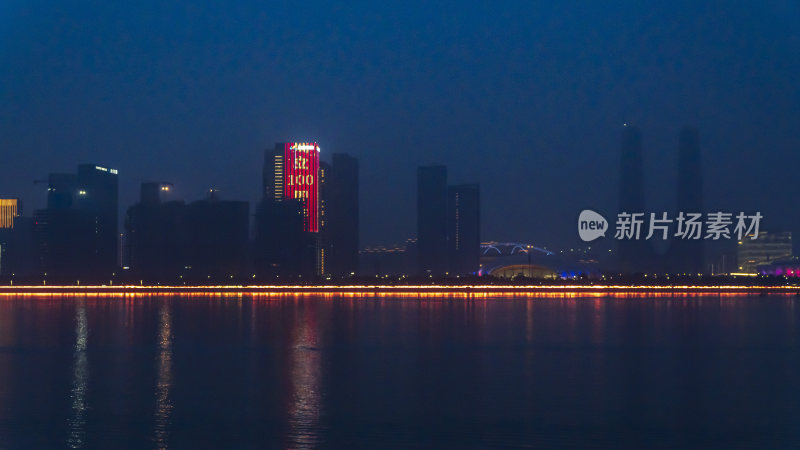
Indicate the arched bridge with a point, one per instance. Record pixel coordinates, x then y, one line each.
504 258
511 248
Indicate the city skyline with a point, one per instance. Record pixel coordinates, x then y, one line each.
308 223
525 98
651 200
409 224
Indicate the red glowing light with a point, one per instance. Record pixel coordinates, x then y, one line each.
301 180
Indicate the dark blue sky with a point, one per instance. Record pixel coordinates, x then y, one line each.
527 98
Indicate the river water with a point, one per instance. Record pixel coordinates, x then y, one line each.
398 371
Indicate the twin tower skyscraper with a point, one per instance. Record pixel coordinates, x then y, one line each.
448 225
683 256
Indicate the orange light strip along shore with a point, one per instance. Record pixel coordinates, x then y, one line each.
395 289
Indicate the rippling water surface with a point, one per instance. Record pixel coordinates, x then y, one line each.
303 371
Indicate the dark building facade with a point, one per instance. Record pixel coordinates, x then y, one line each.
463 228
67 244
77 234
170 240
687 256
18 255
98 194
281 247
18 250
323 238
155 234
432 220
340 213
448 224
217 233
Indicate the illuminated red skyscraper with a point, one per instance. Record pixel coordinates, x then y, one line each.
287 237
291 172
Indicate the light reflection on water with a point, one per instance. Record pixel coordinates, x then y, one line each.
80 379
356 370
163 400
304 405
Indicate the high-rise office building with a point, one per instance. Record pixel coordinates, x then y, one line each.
78 232
631 252
448 224
204 240
67 244
323 241
156 242
98 194
341 215
463 228
688 255
291 189
10 208
432 220
291 171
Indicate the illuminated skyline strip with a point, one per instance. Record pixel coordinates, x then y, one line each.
389 289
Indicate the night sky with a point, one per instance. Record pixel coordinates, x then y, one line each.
527 98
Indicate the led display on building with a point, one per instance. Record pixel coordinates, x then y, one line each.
8 211
300 179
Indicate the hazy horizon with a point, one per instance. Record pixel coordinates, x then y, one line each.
526 98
